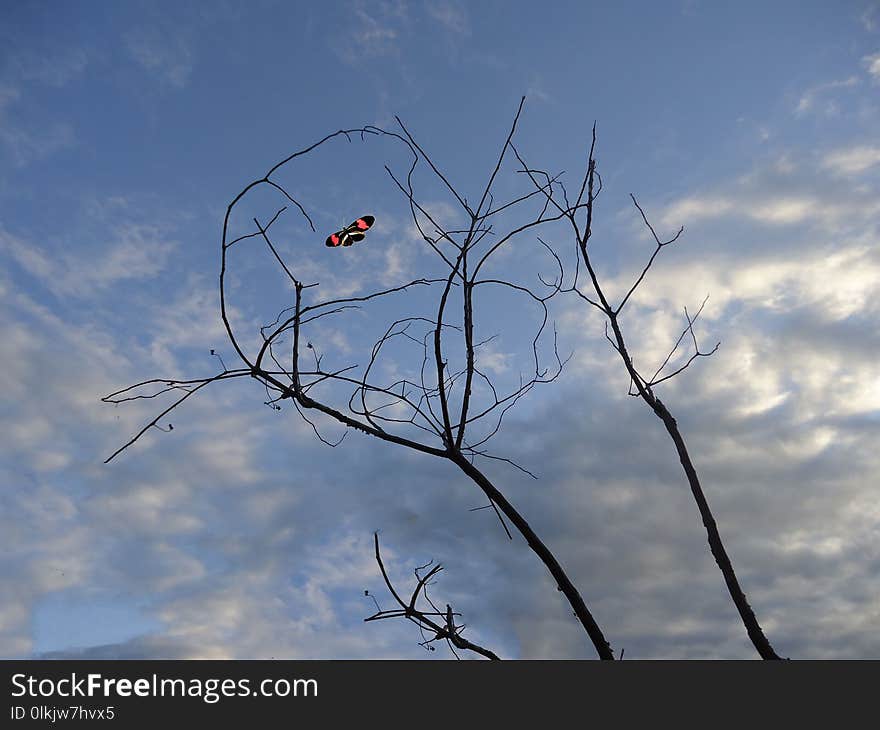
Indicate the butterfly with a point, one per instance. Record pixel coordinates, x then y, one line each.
350 234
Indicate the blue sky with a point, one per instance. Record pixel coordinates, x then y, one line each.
127 128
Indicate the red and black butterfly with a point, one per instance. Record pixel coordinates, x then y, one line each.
350 234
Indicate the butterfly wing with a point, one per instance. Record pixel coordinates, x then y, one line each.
352 233
363 223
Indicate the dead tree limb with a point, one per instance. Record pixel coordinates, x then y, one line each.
437 411
426 620
591 186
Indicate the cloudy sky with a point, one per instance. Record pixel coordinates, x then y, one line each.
126 130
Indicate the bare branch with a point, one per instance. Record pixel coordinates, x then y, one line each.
423 619
164 413
423 402
689 329
660 245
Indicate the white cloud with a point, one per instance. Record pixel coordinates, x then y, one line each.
697 208
491 360
398 263
239 529
781 199
29 145
834 284
808 98
374 32
138 251
68 522
780 210
872 63
852 160
188 319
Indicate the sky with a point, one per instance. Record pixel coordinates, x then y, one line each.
126 129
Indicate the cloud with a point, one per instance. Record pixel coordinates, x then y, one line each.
781 421
29 145
374 32
169 56
238 535
251 542
54 69
783 193
852 160
53 373
396 263
537 89
269 613
450 14
69 525
808 98
778 210
872 63
137 252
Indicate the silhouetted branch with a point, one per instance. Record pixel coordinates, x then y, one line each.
644 389
697 353
437 411
660 245
425 620
196 385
